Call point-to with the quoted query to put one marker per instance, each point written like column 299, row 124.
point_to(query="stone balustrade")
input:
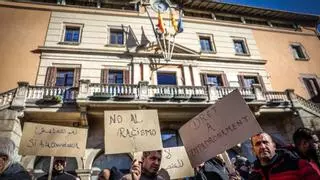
column 140, row 92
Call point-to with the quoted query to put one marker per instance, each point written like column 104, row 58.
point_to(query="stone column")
column 143, row 90
column 212, row 92
column 84, row 89
column 84, row 174
column 18, row 102
column 187, row 75
column 257, row 89
column 83, row 116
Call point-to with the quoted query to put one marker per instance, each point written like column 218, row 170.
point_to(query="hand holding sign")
column 218, row 128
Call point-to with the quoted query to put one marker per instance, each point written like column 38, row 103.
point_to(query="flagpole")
column 174, row 39
column 154, row 31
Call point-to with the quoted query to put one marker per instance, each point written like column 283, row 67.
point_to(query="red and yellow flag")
column 160, row 23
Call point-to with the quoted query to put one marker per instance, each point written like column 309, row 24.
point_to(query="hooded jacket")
column 284, row 166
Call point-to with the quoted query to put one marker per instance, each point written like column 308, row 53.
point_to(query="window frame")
column 123, row 29
column 310, row 76
column 241, row 80
column 65, row 79
column 116, row 71
column 211, row 41
column 223, row 77
column 244, row 45
column 302, row 50
column 71, row 25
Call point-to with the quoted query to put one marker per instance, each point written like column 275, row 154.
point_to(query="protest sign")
column 131, row 131
column 175, row 161
column 52, row 140
column 221, row 126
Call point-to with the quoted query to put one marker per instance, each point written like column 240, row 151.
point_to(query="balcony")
column 141, row 93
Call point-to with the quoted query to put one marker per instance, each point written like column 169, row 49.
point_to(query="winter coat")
column 15, row 172
column 284, row 166
column 59, row 176
column 212, row 170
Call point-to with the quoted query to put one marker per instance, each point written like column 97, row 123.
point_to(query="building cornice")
column 184, row 56
column 72, row 9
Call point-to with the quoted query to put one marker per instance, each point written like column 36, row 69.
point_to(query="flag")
column 160, row 23
column 173, row 21
column 180, row 23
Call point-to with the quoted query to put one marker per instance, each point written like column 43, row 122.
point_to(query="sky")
column 300, row 6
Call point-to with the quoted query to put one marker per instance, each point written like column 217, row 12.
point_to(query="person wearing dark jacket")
column 58, row 172
column 147, row 168
column 110, row 174
column 281, row 164
column 212, row 169
column 306, row 145
column 10, row 170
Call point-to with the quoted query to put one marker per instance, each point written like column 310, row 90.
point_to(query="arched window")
column 121, row 161
column 171, row 138
column 42, row 164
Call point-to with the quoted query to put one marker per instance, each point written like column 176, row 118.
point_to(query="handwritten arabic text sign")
column 131, row 131
column 175, row 160
column 218, row 128
column 51, row 140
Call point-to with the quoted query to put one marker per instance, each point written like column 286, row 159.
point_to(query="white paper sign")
column 218, row 128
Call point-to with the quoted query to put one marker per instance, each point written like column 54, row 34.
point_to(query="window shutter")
column 203, row 78
column 76, row 77
column 126, row 77
column 104, row 76
column 224, row 80
column 51, row 76
column 241, row 81
column 260, row 79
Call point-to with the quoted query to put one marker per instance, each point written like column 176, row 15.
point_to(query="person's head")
column 151, row 161
column 305, row 141
column 7, row 147
column 59, row 164
column 241, row 163
column 263, row 147
column 104, row 174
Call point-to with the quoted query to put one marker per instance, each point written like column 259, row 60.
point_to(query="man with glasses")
column 58, row 172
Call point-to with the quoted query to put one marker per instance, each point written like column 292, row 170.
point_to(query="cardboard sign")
column 174, row 160
column 51, row 140
column 218, row 128
column 131, row 131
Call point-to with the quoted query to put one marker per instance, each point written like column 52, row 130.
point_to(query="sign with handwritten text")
column 175, row 161
column 221, row 126
column 51, row 140
column 131, row 131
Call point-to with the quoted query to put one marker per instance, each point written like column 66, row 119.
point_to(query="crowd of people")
column 293, row 162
